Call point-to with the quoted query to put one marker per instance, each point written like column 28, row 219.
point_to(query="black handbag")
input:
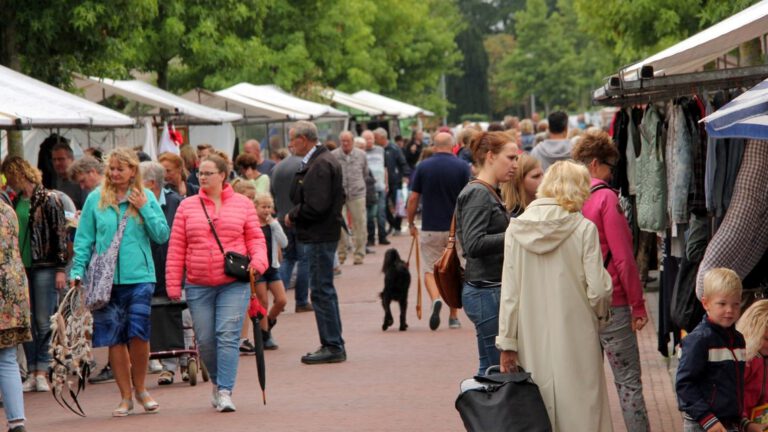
column 502, row 402
column 235, row 264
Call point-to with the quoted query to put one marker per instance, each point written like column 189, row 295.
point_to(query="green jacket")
column 98, row 226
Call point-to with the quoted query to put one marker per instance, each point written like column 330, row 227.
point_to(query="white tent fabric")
column 276, row 97
column 250, row 109
column 97, row 89
column 392, row 106
column 744, row 117
column 350, row 101
column 707, row 45
column 33, row 103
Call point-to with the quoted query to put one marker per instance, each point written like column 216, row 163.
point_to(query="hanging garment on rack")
column 668, row 274
column 685, row 309
column 744, row 224
column 696, row 198
column 620, row 136
column 633, row 148
column 711, row 167
column 735, row 155
column 651, row 175
column 679, row 164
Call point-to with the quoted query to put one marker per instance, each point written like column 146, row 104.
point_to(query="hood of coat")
column 543, row 226
column 555, row 149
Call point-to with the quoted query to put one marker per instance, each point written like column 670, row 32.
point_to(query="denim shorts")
column 126, row 316
column 271, row 275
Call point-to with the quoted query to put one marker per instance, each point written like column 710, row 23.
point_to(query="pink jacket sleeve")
column 177, row 249
column 255, row 242
column 619, row 240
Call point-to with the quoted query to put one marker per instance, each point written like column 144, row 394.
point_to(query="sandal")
column 150, row 405
column 124, row 409
column 165, row 378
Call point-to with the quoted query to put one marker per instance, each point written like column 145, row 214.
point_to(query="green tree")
column 498, row 46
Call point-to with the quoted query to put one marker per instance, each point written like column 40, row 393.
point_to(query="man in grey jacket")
column 557, row 146
column 354, row 167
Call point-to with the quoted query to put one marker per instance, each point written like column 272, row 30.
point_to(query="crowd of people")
column 550, row 284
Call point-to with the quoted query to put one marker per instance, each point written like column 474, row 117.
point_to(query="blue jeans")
column 10, row 385
column 324, row 298
column 294, row 256
column 42, row 304
column 482, row 307
column 217, row 315
column 377, row 215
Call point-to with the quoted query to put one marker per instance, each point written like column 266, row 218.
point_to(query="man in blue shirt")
column 437, row 181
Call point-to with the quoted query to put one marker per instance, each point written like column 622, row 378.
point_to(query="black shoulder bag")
column 235, row 264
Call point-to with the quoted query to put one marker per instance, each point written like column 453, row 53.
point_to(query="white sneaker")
column 42, row 384
column 155, row 367
column 30, row 384
column 225, row 401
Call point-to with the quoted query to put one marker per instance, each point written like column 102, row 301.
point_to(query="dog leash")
column 415, row 244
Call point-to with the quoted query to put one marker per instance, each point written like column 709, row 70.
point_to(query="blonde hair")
column 243, row 186
column 263, row 197
column 753, row 324
column 513, row 192
column 15, row 168
column 721, row 281
column 123, row 156
column 568, row 183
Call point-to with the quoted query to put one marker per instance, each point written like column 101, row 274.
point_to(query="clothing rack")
column 617, row 92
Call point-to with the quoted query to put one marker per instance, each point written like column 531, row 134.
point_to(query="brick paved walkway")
column 393, row 381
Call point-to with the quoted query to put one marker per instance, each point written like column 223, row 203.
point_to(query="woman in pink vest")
column 599, row 154
column 216, row 301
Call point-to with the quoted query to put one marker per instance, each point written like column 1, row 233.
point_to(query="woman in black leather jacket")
column 481, row 221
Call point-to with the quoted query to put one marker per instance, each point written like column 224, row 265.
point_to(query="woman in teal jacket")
column 123, row 324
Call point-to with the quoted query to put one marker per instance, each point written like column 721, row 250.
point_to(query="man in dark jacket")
column 397, row 168
column 317, row 193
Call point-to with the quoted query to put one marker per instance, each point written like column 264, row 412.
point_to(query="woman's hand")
column 638, row 323
column 508, row 361
column 137, row 198
column 61, row 280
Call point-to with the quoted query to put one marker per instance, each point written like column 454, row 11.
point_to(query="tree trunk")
column 750, row 53
column 9, row 53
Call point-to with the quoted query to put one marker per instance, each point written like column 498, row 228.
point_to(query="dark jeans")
column 377, row 217
column 294, row 255
column 394, row 221
column 324, row 298
column 482, row 307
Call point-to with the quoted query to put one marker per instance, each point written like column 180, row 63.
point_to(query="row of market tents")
column 211, row 117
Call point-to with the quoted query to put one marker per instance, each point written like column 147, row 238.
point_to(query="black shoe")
column 370, row 243
column 104, row 376
column 268, row 342
column 246, row 347
column 384, row 242
column 325, row 355
column 19, row 428
column 304, row 308
column 434, row 319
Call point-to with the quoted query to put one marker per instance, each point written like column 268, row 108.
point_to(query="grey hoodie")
column 550, row 151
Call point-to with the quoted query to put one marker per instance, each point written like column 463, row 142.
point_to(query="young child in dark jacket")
column 710, row 376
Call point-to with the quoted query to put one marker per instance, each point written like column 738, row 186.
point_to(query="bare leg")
column 121, row 368
column 139, row 354
column 429, row 282
column 279, row 299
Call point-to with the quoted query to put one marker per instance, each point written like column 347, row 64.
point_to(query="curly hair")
column 594, row 145
column 16, row 168
column 753, row 325
column 568, row 183
column 128, row 158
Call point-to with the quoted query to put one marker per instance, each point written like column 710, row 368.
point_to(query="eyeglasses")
column 206, row 173
column 610, row 165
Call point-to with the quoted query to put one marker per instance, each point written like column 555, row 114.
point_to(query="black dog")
column 397, row 279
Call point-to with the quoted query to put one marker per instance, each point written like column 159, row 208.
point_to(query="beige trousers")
column 354, row 213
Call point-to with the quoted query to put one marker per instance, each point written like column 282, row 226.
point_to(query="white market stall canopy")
column 744, row 117
column 392, row 106
column 691, row 54
column 26, row 102
column 97, row 89
column 352, row 102
column 250, row 109
column 274, row 96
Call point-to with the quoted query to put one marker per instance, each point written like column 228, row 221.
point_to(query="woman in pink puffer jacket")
column 216, row 301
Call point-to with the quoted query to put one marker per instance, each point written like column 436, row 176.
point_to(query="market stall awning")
column 691, row 54
column 251, row 110
column 97, row 89
column 352, row 102
column 26, row 102
column 744, row 117
column 392, row 106
column 274, row 96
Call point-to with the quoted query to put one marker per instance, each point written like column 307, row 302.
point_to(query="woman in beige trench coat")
column 555, row 294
